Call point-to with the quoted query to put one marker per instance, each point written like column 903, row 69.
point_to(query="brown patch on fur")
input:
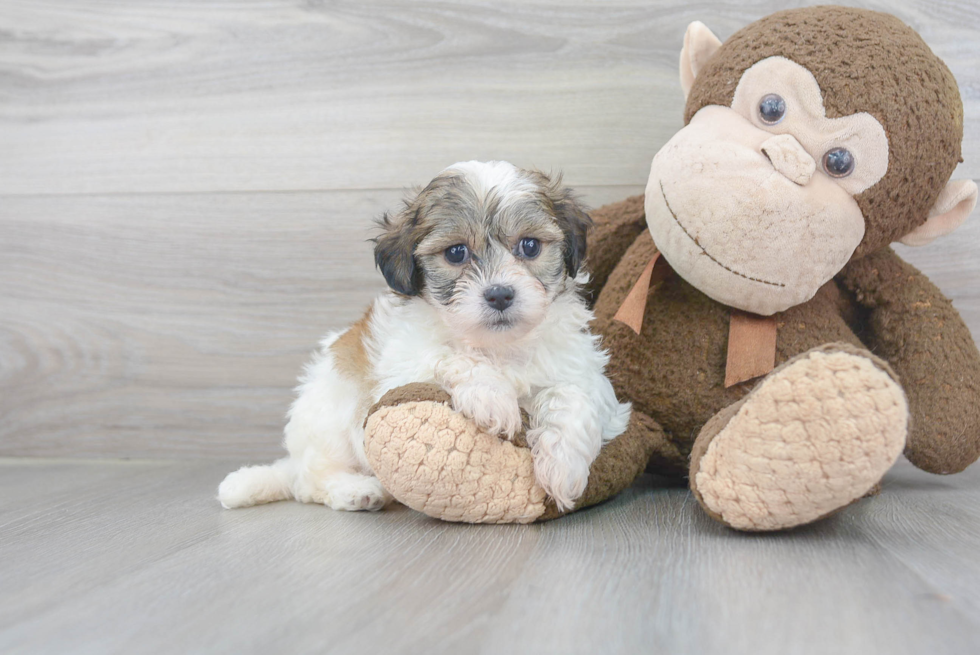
column 889, row 72
column 350, row 357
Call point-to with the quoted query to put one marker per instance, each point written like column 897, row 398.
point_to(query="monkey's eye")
column 529, row 248
column 838, row 162
column 457, row 254
column 772, row 108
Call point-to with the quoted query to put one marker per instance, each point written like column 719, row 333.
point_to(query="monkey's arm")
column 616, row 228
column 913, row 326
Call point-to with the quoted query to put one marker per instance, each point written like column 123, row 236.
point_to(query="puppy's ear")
column 394, row 252
column 574, row 222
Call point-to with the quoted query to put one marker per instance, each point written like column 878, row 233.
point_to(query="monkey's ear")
column 954, row 204
column 394, row 254
column 699, row 44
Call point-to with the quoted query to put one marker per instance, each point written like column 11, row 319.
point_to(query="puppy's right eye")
column 529, row 248
column 457, row 254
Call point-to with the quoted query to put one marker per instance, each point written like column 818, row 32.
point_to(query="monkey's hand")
column 915, row 328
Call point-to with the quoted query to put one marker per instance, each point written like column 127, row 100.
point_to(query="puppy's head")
column 488, row 245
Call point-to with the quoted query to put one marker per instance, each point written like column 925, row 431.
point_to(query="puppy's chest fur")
column 399, row 341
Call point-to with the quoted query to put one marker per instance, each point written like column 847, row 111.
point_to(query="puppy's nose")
column 498, row 297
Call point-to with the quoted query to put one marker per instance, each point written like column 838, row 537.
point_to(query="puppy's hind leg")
column 325, row 439
column 330, row 479
column 355, row 491
column 254, row 485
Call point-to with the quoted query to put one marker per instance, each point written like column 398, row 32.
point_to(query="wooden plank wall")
column 186, row 187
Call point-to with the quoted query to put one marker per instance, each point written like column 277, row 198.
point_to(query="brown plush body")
column 674, row 370
column 814, row 138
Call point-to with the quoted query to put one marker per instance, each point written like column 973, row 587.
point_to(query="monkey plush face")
column 776, row 217
column 794, row 160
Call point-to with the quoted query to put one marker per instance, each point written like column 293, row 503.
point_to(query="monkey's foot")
column 815, row 435
column 437, row 461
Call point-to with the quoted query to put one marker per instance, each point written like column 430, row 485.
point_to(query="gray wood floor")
column 137, row 557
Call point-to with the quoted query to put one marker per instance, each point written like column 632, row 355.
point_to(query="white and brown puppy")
column 482, row 265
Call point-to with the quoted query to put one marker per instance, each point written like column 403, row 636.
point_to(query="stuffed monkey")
column 775, row 349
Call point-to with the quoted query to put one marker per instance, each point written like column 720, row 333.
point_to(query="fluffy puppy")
column 482, row 266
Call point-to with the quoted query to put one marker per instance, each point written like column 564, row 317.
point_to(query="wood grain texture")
column 176, row 325
column 138, row 557
column 154, row 325
column 186, row 187
column 138, row 325
column 163, row 96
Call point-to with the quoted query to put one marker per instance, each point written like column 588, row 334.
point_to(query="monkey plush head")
column 813, row 136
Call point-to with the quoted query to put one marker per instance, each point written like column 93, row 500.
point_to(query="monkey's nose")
column 789, row 158
column 499, row 297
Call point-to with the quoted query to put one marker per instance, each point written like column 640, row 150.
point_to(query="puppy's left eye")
column 457, row 254
column 529, row 248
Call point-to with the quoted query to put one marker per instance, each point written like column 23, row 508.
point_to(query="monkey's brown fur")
column 878, row 308
column 901, row 83
column 674, row 370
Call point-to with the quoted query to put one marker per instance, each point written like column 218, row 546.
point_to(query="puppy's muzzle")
column 499, row 297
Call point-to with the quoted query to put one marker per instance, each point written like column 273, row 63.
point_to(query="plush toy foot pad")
column 815, row 435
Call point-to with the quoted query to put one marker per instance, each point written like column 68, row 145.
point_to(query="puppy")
column 483, row 269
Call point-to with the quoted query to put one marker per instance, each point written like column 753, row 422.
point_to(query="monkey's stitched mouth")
column 708, row 254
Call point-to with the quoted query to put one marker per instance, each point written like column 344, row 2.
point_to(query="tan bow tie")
column 751, row 338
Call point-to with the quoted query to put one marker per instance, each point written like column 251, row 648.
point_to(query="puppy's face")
column 489, row 245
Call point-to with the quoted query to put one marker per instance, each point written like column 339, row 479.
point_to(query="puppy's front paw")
column 561, row 472
column 493, row 407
